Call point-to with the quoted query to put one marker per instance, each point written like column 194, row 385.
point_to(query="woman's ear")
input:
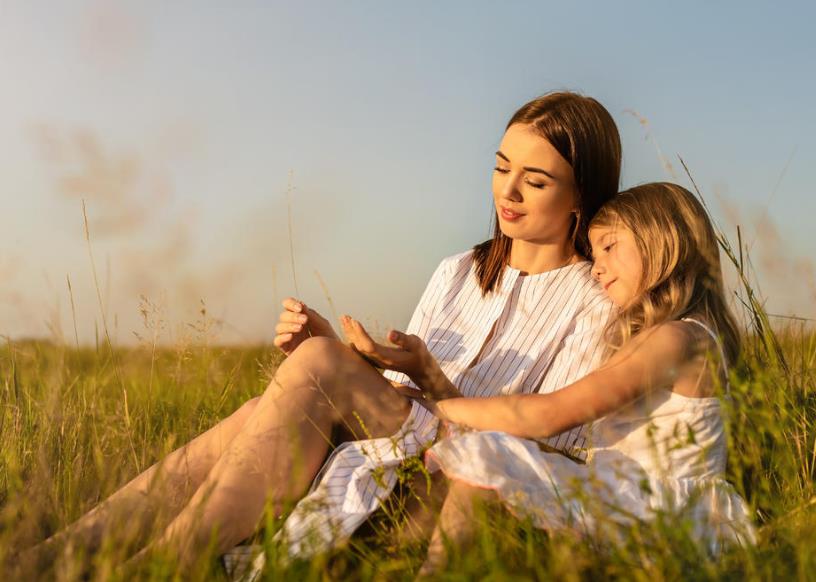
column 576, row 226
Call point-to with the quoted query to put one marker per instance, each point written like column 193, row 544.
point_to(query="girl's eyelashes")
column 501, row 170
column 604, row 248
column 538, row 185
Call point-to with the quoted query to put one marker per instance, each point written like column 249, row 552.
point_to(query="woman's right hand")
column 298, row 322
column 409, row 356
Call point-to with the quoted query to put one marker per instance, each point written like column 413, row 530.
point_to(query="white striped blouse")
column 548, row 333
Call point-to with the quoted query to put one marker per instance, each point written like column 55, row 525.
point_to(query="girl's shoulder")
column 707, row 367
column 688, row 346
column 687, row 337
column 701, row 336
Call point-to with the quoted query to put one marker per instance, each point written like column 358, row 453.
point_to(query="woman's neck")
column 531, row 258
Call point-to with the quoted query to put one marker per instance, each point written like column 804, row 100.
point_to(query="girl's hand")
column 298, row 322
column 410, row 356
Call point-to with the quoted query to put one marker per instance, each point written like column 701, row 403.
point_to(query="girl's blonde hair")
column 682, row 276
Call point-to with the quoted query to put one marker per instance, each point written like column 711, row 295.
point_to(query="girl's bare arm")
column 651, row 360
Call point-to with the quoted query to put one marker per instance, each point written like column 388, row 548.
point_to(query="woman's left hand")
column 409, row 356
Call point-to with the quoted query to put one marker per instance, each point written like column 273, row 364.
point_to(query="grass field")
column 78, row 422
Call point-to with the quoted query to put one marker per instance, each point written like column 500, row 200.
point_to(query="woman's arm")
column 650, row 360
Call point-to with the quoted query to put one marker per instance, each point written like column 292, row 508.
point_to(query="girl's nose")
column 597, row 269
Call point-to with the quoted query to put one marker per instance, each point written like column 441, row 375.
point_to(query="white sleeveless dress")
column 663, row 454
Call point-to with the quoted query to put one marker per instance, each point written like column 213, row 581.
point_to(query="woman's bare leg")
column 284, row 442
column 455, row 526
column 158, row 492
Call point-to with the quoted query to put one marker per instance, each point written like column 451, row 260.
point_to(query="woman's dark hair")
column 585, row 135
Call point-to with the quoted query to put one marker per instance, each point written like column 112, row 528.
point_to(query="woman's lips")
column 608, row 285
column 509, row 214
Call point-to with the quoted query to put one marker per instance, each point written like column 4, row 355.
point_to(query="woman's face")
column 533, row 188
column 617, row 263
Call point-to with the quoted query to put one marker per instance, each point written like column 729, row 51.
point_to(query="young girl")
column 659, row 442
column 518, row 312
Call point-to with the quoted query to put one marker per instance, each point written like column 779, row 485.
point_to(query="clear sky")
column 179, row 123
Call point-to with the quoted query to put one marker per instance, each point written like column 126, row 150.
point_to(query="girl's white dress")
column 662, row 454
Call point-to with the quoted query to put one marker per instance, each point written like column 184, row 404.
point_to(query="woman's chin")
column 516, row 233
column 507, row 229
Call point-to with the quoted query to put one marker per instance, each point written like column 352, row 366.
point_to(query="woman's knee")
column 317, row 358
column 319, row 348
column 246, row 409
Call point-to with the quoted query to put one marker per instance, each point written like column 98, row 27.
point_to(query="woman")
column 558, row 162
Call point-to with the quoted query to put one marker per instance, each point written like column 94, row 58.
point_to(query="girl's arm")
column 648, row 361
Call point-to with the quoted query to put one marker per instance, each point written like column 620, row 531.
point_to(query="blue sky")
column 179, row 124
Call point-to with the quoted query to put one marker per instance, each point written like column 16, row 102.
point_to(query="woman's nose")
column 509, row 189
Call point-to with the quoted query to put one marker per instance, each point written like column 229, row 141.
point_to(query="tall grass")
column 65, row 444
column 76, row 423
column 67, row 440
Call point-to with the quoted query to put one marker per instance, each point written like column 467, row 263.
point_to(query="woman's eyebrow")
column 528, row 168
column 538, row 171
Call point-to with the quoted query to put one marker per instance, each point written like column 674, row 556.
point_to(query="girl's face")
column 533, row 188
column 617, row 265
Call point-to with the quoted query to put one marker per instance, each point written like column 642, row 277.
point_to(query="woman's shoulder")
column 453, row 264
column 588, row 291
column 450, row 268
column 459, row 258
